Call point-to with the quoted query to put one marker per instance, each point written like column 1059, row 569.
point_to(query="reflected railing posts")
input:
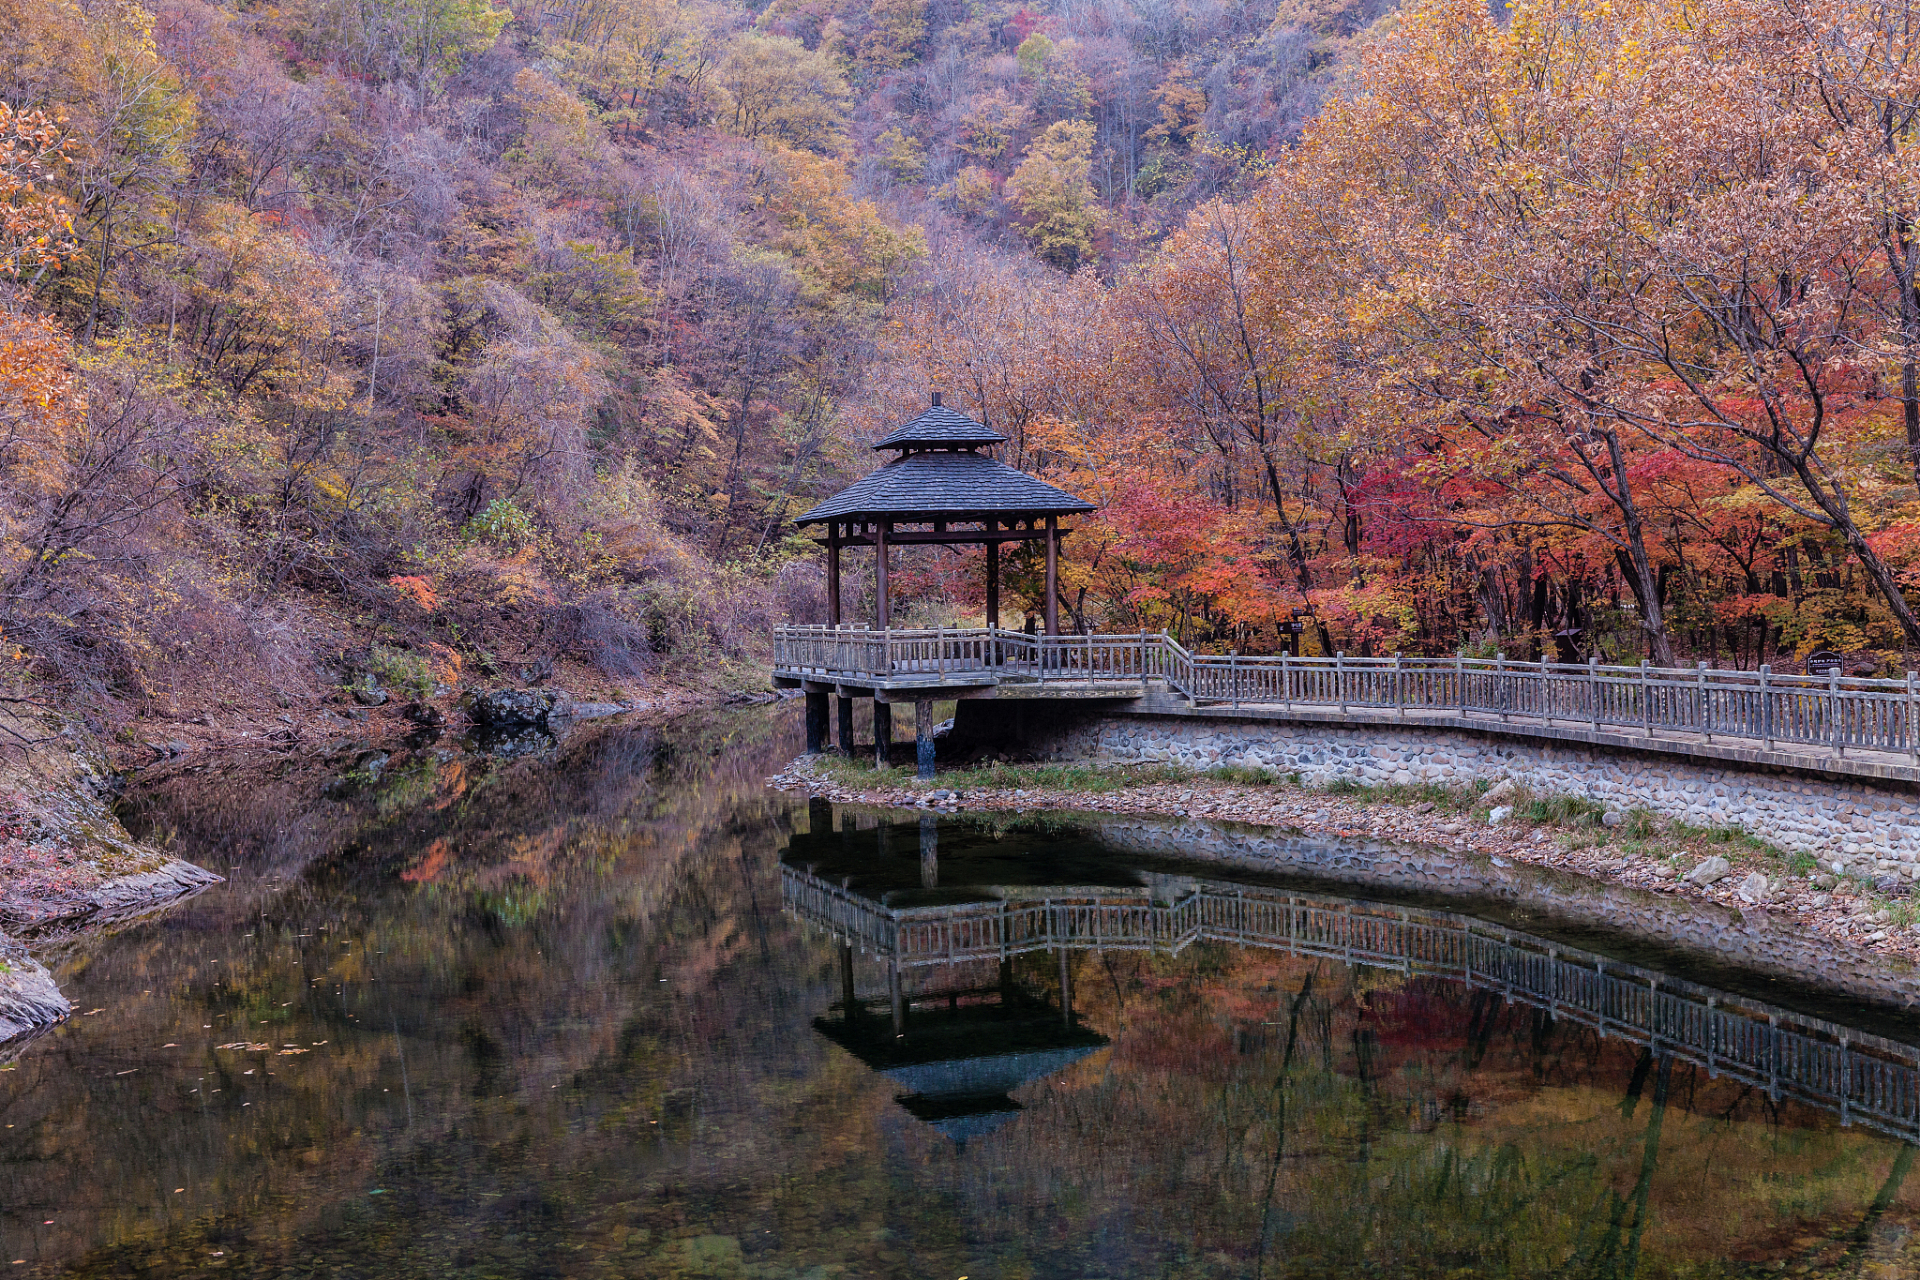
column 1861, row 1077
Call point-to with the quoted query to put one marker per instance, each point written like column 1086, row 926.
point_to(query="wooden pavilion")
column 941, row 489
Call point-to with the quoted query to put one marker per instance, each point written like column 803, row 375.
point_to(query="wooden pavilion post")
column 993, row 578
column 1053, row 575
column 880, row 530
column 833, row 573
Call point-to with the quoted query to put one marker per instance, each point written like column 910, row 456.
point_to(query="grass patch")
column 1001, row 776
column 399, row 669
column 1559, row 811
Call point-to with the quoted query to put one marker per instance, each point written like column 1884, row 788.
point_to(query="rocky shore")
column 66, row 863
column 1503, row 828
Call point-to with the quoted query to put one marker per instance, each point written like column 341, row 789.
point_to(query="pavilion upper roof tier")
column 945, row 486
column 940, row 428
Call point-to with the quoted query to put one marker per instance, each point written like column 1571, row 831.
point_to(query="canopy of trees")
column 503, row 335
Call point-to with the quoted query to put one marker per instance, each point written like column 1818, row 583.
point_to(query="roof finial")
column 936, row 399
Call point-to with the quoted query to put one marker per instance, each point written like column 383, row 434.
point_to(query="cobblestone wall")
column 1871, row 829
column 1756, row 940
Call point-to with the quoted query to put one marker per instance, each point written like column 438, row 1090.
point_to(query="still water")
column 623, row 1012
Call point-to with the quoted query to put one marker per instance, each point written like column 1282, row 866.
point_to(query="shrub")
column 503, row 525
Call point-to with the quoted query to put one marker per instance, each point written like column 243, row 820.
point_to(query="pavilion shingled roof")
column 945, row 485
column 939, row 426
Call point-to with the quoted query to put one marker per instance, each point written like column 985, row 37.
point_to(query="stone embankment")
column 1735, row 903
column 66, row 864
column 1868, row 829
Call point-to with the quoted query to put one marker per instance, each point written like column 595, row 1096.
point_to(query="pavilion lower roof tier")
column 945, row 485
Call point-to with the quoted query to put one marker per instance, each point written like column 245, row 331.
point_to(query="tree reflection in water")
column 556, row 1022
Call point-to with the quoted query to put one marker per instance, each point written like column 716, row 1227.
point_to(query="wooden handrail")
column 1832, row 713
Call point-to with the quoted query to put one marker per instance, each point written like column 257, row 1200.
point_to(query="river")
column 585, row 1015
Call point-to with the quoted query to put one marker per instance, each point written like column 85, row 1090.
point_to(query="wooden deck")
column 1851, row 725
column 1861, row 1078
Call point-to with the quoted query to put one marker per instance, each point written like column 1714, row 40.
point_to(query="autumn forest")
column 453, row 338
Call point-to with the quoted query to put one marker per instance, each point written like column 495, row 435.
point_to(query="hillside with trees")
column 444, row 339
column 449, row 340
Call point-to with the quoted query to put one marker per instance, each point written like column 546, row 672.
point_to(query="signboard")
column 1824, row 662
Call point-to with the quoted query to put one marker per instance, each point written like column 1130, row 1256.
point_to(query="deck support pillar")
column 846, row 981
column 923, row 737
column 819, row 814
column 882, row 734
column 844, row 705
column 899, row 1000
column 1066, row 988
column 816, row 723
column 929, row 851
column 1053, row 575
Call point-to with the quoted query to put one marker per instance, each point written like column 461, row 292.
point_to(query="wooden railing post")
column 1913, row 742
column 1766, row 705
column 1340, row 679
column 1700, row 700
column 1460, row 679
column 1399, row 688
column 1143, row 662
column 1500, row 697
column 1233, row 676
column 1646, row 699
column 1593, row 691
column 940, row 652
column 1833, row 711
column 1286, row 679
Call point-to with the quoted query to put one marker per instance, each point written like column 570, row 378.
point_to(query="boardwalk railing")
column 1833, row 712
column 1861, row 1077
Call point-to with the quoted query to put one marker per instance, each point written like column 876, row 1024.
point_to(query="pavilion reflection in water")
column 961, row 1051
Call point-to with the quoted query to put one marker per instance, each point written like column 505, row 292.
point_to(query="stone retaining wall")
column 1871, row 829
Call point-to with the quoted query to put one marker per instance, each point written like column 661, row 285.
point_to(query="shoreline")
column 1637, row 853
column 69, row 869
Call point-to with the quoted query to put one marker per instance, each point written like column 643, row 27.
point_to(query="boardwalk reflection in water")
column 1860, row 1077
column 957, row 978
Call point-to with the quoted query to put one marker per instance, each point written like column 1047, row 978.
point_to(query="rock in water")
column 513, row 709
column 28, row 998
column 1754, row 887
column 1714, row 869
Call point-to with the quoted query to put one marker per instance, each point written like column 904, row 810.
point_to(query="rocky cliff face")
column 66, row 863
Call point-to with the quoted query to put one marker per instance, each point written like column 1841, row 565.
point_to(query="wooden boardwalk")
column 1759, row 716
column 1862, row 1078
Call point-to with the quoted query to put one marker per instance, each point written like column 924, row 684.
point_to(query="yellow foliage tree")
column 1051, row 188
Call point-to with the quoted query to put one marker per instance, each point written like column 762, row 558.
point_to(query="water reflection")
column 1859, row 1077
column 570, row 1017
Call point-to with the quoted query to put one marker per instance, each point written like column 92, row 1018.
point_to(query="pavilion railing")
column 1833, row 712
column 1862, row 1077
